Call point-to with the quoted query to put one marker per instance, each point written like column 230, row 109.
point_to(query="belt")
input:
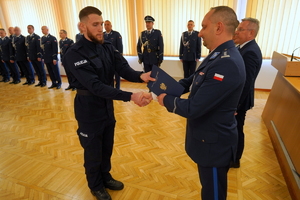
column 149, row 50
column 84, row 92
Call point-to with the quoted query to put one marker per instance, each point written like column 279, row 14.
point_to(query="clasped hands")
column 141, row 98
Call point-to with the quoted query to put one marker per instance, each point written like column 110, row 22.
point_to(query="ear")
column 219, row 28
column 82, row 26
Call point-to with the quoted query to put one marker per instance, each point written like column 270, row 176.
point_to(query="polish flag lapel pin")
column 218, row 77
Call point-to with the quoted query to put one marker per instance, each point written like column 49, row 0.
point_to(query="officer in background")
column 115, row 38
column 12, row 52
column 3, row 68
column 190, row 49
column 6, row 46
column 50, row 50
column 20, row 57
column 79, row 35
column 150, row 46
column 64, row 44
column 35, row 54
column 215, row 90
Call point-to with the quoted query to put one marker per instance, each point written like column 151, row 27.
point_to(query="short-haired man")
column 190, row 49
column 11, row 31
column 7, row 49
column 150, row 46
column 245, row 37
column 35, row 54
column 79, row 35
column 215, row 90
column 20, row 56
column 50, row 50
column 116, row 40
column 64, row 44
column 92, row 63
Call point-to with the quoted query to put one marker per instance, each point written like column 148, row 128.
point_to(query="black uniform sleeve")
column 139, row 48
column 119, row 43
column 198, row 48
column 11, row 51
column 181, row 48
column 86, row 75
column 54, row 48
column 160, row 48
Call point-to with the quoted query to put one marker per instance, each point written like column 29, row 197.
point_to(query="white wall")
column 173, row 66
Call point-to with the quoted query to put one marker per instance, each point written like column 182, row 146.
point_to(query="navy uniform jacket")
column 78, row 37
column 92, row 67
column 211, row 135
column 253, row 59
column 6, row 47
column 150, row 47
column 20, row 48
column 190, row 46
column 64, row 45
column 115, row 38
column 0, row 49
column 50, row 48
column 34, row 50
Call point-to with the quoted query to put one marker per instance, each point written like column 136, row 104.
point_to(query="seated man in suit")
column 250, row 51
column 215, row 90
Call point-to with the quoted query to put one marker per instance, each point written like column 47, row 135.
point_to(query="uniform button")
column 203, row 140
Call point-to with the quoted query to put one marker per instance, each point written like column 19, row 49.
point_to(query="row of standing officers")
column 20, row 54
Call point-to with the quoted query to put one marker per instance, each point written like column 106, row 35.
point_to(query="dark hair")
column 191, row 21
column 227, row 16
column 2, row 29
column 31, row 26
column 64, row 31
column 85, row 12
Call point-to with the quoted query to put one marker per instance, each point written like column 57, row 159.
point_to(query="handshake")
column 141, row 98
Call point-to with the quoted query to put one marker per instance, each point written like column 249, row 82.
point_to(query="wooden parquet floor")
column 41, row 158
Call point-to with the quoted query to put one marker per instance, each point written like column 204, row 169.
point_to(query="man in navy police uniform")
column 115, row 38
column 35, row 54
column 79, row 35
column 50, row 50
column 215, row 89
column 7, row 49
column 150, row 46
column 64, row 45
column 20, row 56
column 190, row 49
column 92, row 63
column 250, row 51
column 3, row 68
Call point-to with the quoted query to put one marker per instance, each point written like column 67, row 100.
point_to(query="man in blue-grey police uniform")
column 35, row 54
column 150, row 46
column 7, row 49
column 79, row 35
column 20, row 56
column 245, row 37
column 3, row 68
column 115, row 38
column 92, row 63
column 190, row 49
column 64, row 45
column 50, row 50
column 215, row 90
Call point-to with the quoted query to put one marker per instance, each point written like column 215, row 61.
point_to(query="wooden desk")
column 282, row 118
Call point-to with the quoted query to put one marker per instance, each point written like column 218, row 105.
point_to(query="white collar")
column 242, row 45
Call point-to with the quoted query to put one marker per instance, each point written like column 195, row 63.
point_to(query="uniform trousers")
column 26, row 67
column 4, row 71
column 214, row 182
column 39, row 70
column 189, row 68
column 147, row 67
column 13, row 68
column 240, row 118
column 97, row 140
column 54, row 73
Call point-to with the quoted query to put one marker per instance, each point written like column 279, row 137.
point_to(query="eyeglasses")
column 241, row 29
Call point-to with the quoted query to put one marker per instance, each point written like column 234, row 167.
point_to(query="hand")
column 54, row 62
column 3, row 61
column 235, row 113
column 141, row 99
column 39, row 59
column 28, row 60
column 159, row 63
column 181, row 60
column 11, row 61
column 146, row 77
column 140, row 62
column 197, row 60
column 161, row 99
